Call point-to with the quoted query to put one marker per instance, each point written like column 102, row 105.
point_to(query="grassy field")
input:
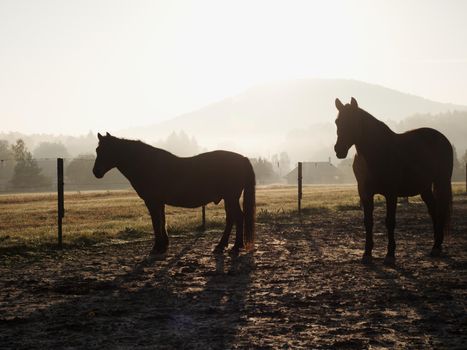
column 29, row 221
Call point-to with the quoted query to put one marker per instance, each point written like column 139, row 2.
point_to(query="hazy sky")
column 74, row 66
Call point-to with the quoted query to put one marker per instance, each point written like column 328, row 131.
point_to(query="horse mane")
column 125, row 145
column 369, row 119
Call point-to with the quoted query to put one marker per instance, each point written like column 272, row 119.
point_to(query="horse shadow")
column 142, row 310
column 433, row 303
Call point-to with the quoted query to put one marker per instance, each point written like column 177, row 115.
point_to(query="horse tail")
column 249, row 206
column 443, row 194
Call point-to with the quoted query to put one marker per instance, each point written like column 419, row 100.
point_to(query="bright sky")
column 73, row 66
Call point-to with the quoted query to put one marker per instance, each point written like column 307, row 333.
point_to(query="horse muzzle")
column 341, row 153
column 97, row 173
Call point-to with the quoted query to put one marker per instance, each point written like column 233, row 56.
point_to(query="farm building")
column 315, row 173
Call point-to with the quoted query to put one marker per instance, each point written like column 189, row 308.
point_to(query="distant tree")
column 46, row 154
column 79, row 175
column 27, row 174
column 463, row 166
column 79, row 171
column 464, row 158
column 7, row 163
column 5, row 151
column 50, row 150
column 179, row 144
column 457, row 168
column 264, row 171
column 281, row 163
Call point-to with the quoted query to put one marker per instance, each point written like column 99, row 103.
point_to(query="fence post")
column 203, row 217
column 300, row 193
column 465, row 177
column 60, row 199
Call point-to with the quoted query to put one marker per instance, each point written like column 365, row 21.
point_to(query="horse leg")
column 368, row 206
column 161, row 239
column 443, row 198
column 163, row 225
column 391, row 205
column 429, row 199
column 430, row 202
column 238, row 228
column 228, row 228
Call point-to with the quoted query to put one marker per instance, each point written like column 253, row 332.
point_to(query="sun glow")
column 74, row 66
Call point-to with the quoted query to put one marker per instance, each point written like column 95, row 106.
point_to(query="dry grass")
column 28, row 221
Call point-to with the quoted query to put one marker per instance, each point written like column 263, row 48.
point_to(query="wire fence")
column 58, row 175
column 40, row 175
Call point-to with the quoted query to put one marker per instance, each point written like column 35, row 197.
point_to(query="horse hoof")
column 389, row 261
column 367, row 260
column 218, row 250
column 435, row 252
column 234, row 251
column 158, row 255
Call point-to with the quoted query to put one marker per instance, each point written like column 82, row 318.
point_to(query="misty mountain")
column 293, row 116
column 268, row 116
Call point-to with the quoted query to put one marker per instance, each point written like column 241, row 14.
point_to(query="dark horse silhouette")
column 161, row 178
column 415, row 162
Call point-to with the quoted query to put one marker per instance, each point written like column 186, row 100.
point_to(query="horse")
column 160, row 178
column 416, row 162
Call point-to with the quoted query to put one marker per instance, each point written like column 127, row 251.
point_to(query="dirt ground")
column 303, row 287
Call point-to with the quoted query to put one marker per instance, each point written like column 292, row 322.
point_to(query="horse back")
column 426, row 149
column 204, row 178
column 408, row 165
column 424, row 160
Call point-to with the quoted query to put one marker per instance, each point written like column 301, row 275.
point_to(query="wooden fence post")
column 465, row 177
column 60, row 199
column 300, row 193
column 203, row 217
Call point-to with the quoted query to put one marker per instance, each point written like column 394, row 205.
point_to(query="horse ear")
column 339, row 104
column 99, row 136
column 353, row 103
column 108, row 135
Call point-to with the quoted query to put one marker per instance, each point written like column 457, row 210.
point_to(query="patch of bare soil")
column 303, row 287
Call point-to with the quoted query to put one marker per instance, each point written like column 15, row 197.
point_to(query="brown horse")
column 161, row 178
column 415, row 162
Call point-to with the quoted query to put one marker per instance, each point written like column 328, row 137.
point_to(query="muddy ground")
column 303, row 287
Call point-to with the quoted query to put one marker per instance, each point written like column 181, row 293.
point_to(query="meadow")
column 29, row 221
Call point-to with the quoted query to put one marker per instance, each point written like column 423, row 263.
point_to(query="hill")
column 293, row 116
column 265, row 118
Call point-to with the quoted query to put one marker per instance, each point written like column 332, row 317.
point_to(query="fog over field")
column 294, row 116
column 297, row 117
column 255, row 77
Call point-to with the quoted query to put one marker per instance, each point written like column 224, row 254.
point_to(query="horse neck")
column 375, row 140
column 134, row 157
column 130, row 158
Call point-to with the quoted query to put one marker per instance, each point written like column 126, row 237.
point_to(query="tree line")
column 23, row 171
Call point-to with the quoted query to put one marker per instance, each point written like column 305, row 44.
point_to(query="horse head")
column 106, row 155
column 348, row 127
